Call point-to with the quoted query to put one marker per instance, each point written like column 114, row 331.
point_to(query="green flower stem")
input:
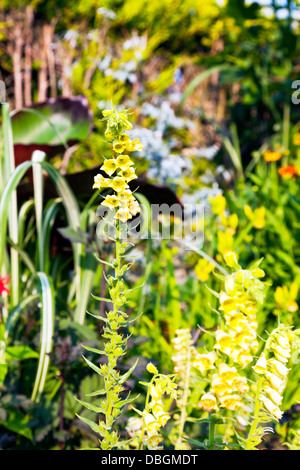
column 146, row 406
column 242, row 235
column 114, row 322
column 184, row 400
column 255, row 421
column 211, row 432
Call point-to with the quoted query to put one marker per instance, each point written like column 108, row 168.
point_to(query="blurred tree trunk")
column 47, row 37
column 29, row 17
column 15, row 50
column 51, row 63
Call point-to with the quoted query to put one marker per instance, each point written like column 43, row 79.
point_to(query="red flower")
column 288, row 171
column 3, row 282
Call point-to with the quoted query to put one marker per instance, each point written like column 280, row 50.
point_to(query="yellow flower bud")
column 151, row 368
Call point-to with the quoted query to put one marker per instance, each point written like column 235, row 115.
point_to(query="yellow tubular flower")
column 162, row 417
column 109, row 166
column 124, row 138
column 241, row 385
column 109, row 135
column 128, row 174
column 123, row 215
column 271, row 407
column 118, row 184
column 227, row 373
column 134, row 207
column 208, row 402
column 153, row 441
column 261, row 365
column 126, row 197
column 118, row 146
column 273, row 395
column 224, row 342
column 111, row 202
column 151, row 424
column 204, row 362
column 276, row 367
column 230, row 402
column 275, row 381
column 134, row 145
column 124, row 162
column 219, row 386
column 101, row 182
column 231, row 260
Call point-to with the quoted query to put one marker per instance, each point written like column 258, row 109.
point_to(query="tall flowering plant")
column 236, row 338
column 120, row 171
column 272, row 371
column 226, row 369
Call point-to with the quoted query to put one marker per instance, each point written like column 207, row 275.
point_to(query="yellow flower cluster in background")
column 286, row 297
column 154, row 416
column 186, row 353
column 119, row 168
column 203, row 269
column 272, row 367
column 257, row 217
column 236, row 341
column 227, row 223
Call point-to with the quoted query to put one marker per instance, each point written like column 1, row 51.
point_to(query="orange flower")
column 288, row 171
column 271, row 156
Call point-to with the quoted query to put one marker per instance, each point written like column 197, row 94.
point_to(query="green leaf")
column 92, row 366
column 122, row 403
column 89, row 406
column 54, row 122
column 90, row 423
column 199, row 79
column 96, row 393
column 20, row 353
column 96, row 351
column 124, row 377
column 193, row 441
column 3, row 372
column 17, row 422
column 47, row 328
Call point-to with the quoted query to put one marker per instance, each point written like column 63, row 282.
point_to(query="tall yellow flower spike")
column 120, row 168
column 236, row 341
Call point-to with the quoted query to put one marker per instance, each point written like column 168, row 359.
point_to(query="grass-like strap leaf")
column 47, row 328
column 9, row 166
